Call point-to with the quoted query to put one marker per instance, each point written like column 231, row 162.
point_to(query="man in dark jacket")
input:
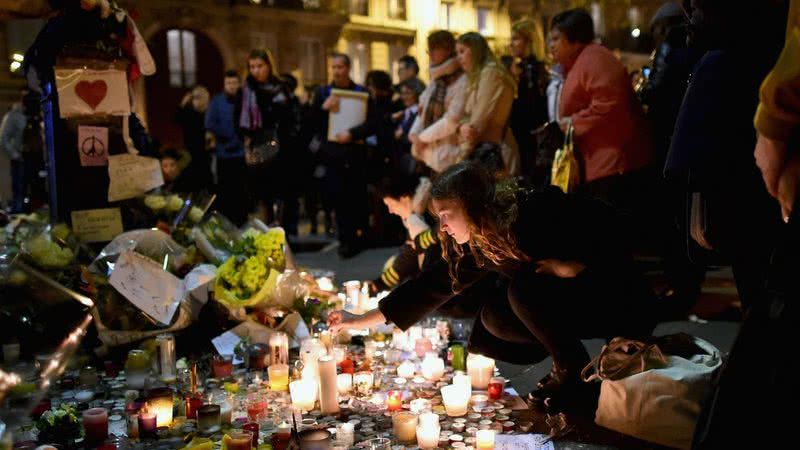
column 345, row 175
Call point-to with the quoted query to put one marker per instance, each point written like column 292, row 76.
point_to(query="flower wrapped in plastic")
column 250, row 275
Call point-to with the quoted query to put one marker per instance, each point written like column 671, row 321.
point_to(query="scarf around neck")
column 442, row 75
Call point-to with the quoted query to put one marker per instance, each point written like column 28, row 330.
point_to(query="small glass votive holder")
column 208, row 419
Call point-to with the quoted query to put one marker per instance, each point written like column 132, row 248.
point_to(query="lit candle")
column 422, row 346
column 485, row 439
column 399, row 339
column 370, row 347
column 278, row 377
column 147, row 423
column 239, row 440
column 166, row 357
column 404, row 425
column 325, row 284
column 432, row 368
column 432, row 334
column 327, row 340
column 394, row 400
column 95, row 423
column 480, row 370
column 225, row 412
column 304, row 394
column 428, row 435
column 363, row 382
column 429, row 418
column 462, row 379
column 344, row 383
column 278, row 348
column 328, row 402
column 208, row 418
column 406, row 369
column 420, row 405
column 160, row 401
column 496, row 385
column 345, row 433
column 456, row 399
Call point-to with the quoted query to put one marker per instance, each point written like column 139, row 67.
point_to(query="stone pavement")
column 719, row 293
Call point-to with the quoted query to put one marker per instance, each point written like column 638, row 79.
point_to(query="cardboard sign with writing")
column 97, row 225
column 93, row 145
column 352, row 111
column 132, row 175
column 86, row 92
column 145, row 284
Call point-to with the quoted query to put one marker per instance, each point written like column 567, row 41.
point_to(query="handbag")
column 265, row 151
column 566, row 170
column 654, row 390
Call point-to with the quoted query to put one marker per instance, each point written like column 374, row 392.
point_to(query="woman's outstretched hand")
column 560, row 269
column 342, row 320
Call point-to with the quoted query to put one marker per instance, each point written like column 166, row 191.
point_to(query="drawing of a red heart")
column 91, row 92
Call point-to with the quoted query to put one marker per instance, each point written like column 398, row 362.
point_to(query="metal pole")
column 50, row 116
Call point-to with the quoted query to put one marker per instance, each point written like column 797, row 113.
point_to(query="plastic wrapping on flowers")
column 250, row 275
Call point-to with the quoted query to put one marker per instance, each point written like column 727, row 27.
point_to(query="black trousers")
column 537, row 316
column 346, row 184
column 233, row 201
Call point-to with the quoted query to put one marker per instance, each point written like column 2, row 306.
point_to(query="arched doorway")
column 184, row 58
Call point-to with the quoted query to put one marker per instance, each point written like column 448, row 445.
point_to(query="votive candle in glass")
column 279, row 348
column 363, row 382
column 256, row 406
column 345, row 433
column 147, row 423
column 253, row 428
column 432, row 368
column 485, row 439
column 222, row 366
column 406, row 369
column 394, row 400
column 239, row 440
column 420, row 405
column 208, row 418
column 95, row 424
column 303, row 393
column 480, row 370
column 496, row 386
column 428, row 435
column 344, row 383
column 455, row 399
column 278, row 377
column 166, row 357
column 160, row 401
column 422, row 346
column 462, row 379
column 404, row 425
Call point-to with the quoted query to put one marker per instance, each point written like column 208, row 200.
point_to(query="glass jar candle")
column 239, row 440
column 279, row 348
column 137, row 366
column 278, row 377
column 208, row 418
column 222, row 366
column 160, row 402
column 404, row 426
column 95, row 425
column 166, row 356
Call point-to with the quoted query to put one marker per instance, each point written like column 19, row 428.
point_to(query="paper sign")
column 352, row 111
column 93, row 145
column 145, row 284
column 226, row 343
column 97, row 225
column 84, row 92
column 522, row 442
column 132, row 175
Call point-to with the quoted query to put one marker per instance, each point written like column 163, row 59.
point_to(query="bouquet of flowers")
column 249, row 276
column 59, row 425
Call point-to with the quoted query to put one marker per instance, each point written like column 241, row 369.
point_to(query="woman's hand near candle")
column 560, row 269
column 343, row 320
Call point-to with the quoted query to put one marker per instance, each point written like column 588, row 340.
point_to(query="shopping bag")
column 654, row 390
column 566, row 170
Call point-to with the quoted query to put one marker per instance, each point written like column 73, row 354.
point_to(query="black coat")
column 577, row 229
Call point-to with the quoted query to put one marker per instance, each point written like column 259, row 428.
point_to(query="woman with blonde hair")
column 490, row 92
column 529, row 110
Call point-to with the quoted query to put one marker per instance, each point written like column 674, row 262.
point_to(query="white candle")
column 432, row 334
column 345, row 433
column 428, row 436
column 225, row 412
column 328, row 402
column 432, row 368
column 406, row 370
column 325, row 284
column 419, row 405
column 399, row 339
column 429, row 418
column 303, row 393
column 363, row 382
column 462, row 379
column 404, row 427
column 480, row 370
column 456, row 400
column 344, row 383
column 485, row 439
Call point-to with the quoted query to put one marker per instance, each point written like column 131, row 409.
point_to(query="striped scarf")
column 444, row 74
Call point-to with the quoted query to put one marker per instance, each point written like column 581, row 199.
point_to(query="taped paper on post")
column 85, row 92
column 132, row 175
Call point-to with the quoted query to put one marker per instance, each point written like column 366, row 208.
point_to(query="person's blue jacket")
column 220, row 122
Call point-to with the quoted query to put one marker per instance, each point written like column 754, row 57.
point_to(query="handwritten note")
column 93, row 145
column 522, row 442
column 226, row 343
column 145, row 284
column 132, row 175
column 97, row 225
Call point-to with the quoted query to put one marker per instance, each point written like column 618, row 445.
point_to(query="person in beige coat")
column 489, row 96
column 434, row 134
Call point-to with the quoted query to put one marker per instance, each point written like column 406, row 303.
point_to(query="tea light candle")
column 328, row 402
column 279, row 348
column 303, row 393
column 480, row 370
column 344, row 383
column 456, row 400
column 433, row 368
column 479, row 400
column 406, row 369
column 428, row 435
column 95, row 423
column 394, row 400
column 404, row 425
column 278, row 377
column 147, row 423
column 420, row 405
column 363, row 382
column 485, row 439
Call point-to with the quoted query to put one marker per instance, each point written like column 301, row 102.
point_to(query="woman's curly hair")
column 491, row 210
